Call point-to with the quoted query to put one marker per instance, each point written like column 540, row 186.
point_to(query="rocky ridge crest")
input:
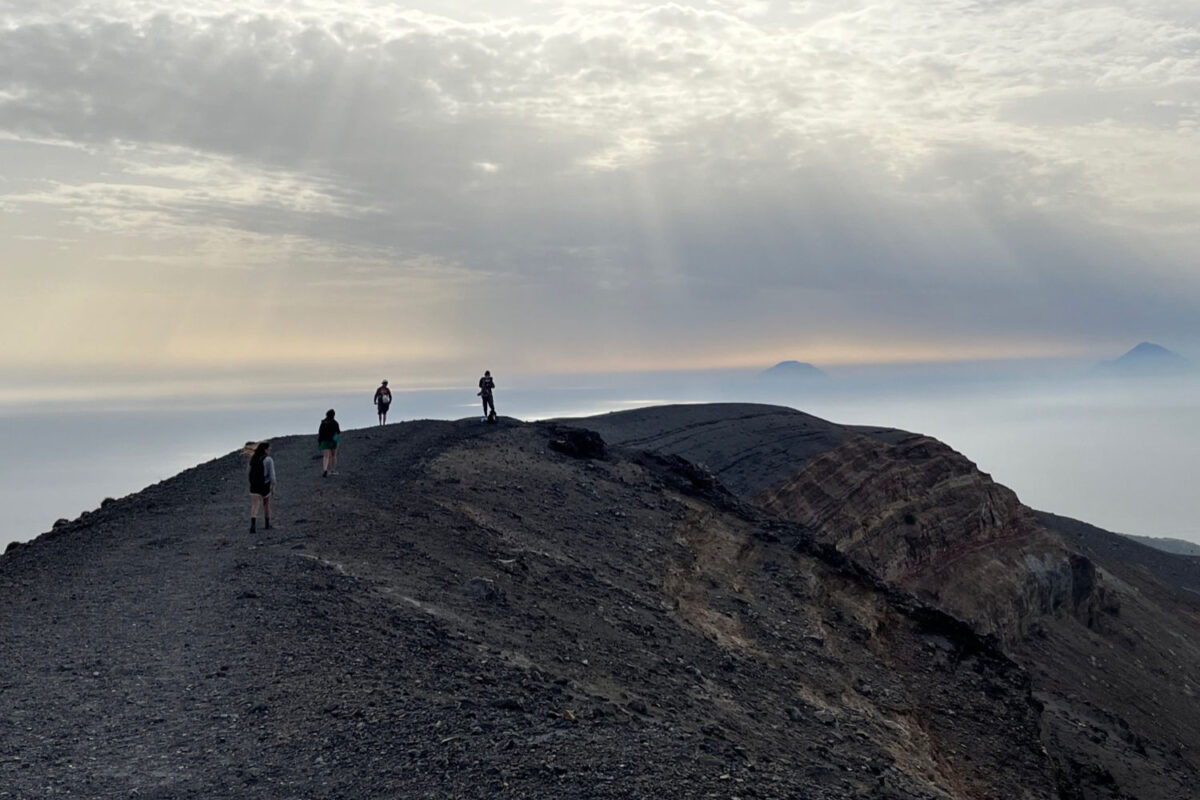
column 535, row 610
column 1109, row 631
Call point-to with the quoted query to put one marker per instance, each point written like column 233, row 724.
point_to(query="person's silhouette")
column 486, row 385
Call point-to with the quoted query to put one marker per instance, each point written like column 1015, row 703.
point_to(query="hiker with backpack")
column 262, row 484
column 486, row 385
column 383, row 399
column 327, row 443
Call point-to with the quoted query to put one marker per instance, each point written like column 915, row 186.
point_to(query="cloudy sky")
column 594, row 185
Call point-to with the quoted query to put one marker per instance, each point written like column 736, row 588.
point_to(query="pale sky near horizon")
column 595, row 185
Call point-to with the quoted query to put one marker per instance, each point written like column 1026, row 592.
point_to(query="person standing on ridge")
column 486, row 385
column 262, row 484
column 327, row 443
column 383, row 399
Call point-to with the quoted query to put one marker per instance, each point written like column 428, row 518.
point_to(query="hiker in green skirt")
column 327, row 443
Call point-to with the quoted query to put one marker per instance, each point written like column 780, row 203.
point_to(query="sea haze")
column 1117, row 453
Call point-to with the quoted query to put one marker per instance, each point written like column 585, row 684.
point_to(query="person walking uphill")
column 327, row 443
column 262, row 484
column 383, row 399
column 486, row 385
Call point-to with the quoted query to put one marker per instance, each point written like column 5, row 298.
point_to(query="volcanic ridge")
column 725, row 601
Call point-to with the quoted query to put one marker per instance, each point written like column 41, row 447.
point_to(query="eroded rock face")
column 1111, row 653
column 923, row 516
column 1110, row 637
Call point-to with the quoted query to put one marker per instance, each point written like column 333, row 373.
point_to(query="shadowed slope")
column 751, row 447
column 1114, row 651
column 1120, row 554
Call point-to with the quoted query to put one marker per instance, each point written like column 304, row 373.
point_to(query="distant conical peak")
column 1147, row 358
column 793, row 369
column 1151, row 350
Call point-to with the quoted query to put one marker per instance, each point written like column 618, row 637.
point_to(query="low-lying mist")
column 1118, row 453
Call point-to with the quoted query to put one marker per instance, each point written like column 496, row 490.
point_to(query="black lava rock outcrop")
column 577, row 442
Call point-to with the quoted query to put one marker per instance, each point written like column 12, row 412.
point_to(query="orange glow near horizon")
column 187, row 359
column 832, row 355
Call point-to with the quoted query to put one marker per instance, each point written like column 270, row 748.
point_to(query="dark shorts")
column 262, row 490
column 383, row 407
column 327, row 445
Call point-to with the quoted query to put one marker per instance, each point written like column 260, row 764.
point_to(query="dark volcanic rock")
column 1117, row 552
column 485, row 590
column 1107, row 629
column 577, row 443
column 651, row 642
column 750, row 447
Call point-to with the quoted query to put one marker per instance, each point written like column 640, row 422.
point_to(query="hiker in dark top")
column 486, row 385
column 383, row 399
column 262, row 484
column 327, row 443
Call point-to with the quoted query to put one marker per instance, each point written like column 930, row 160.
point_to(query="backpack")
column 258, row 472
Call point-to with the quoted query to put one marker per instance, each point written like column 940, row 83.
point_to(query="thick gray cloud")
column 713, row 177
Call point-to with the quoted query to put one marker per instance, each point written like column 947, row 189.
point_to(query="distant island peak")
column 793, row 370
column 1147, row 358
